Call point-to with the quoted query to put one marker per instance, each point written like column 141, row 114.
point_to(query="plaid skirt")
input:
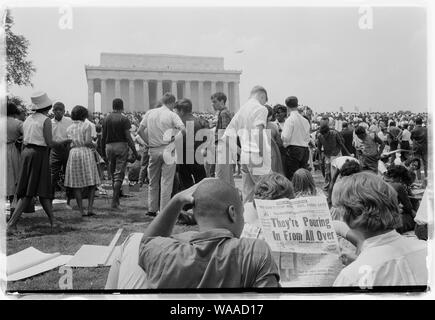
column 81, row 169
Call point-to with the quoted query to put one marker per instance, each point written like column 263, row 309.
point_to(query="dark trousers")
column 297, row 158
column 189, row 174
column 58, row 161
column 404, row 145
column 394, row 145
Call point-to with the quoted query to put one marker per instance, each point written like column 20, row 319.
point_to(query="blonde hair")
column 368, row 202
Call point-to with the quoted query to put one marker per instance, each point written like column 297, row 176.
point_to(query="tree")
column 19, row 69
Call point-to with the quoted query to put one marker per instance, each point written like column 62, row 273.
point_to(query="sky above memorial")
column 320, row 55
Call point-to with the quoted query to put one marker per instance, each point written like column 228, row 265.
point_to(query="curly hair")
column 368, row 202
column 273, row 186
column 184, row 105
column 79, row 113
column 270, row 112
column 219, row 96
column 279, row 108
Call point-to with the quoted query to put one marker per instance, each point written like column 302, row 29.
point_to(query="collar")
column 380, row 240
column 212, row 234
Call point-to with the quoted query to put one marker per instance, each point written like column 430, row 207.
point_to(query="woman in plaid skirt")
column 81, row 169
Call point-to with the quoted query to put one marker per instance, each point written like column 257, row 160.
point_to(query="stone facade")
column 141, row 79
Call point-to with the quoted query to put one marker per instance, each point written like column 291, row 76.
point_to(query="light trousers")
column 161, row 179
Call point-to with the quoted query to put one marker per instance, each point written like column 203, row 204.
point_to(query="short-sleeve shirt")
column 210, row 259
column 33, row 128
column 245, row 122
column 296, row 131
column 77, row 132
column 58, row 128
column 388, row 259
column 162, row 125
column 114, row 127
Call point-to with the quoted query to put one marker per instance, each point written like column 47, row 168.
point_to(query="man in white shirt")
column 162, row 125
column 405, row 141
column 59, row 153
column 370, row 209
column 295, row 137
column 248, row 123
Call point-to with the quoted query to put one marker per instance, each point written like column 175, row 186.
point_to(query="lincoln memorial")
column 141, row 79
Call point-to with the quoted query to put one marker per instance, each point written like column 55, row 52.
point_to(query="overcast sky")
column 319, row 55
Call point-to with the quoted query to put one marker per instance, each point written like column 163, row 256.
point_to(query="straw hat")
column 40, row 100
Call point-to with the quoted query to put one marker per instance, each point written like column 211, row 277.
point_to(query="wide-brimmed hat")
column 40, row 100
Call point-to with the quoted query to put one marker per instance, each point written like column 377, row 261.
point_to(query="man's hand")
column 187, row 196
column 347, row 258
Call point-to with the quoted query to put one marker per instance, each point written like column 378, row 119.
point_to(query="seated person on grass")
column 371, row 210
column 214, row 257
column 275, row 186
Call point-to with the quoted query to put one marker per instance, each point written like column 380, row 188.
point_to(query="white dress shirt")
column 162, row 125
column 58, row 128
column 389, row 259
column 406, row 135
column 296, row 131
column 245, row 124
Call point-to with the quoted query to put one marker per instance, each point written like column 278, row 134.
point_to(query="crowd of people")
column 370, row 163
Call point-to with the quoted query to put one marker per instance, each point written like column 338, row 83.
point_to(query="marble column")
column 146, row 96
column 213, row 87
column 131, row 104
column 104, row 106
column 174, row 89
column 187, row 92
column 236, row 97
column 91, row 103
column 226, row 91
column 200, row 107
column 159, row 91
column 118, row 88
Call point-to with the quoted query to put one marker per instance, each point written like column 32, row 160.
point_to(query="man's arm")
column 142, row 128
column 260, row 140
column 225, row 119
column 381, row 143
column 340, row 142
column 163, row 224
column 131, row 143
column 287, row 132
column 103, row 139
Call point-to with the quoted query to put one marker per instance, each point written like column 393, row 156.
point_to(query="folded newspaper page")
column 301, row 235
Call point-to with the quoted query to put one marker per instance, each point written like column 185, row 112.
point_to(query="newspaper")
column 303, row 240
column 300, row 225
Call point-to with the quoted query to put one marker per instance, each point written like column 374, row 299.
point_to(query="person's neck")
column 368, row 234
column 60, row 119
column 211, row 225
column 118, row 111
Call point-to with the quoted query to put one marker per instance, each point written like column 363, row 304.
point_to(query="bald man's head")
column 218, row 205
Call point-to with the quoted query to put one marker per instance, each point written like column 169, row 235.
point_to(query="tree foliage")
column 19, row 69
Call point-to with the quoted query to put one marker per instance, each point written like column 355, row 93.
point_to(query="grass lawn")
column 73, row 231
